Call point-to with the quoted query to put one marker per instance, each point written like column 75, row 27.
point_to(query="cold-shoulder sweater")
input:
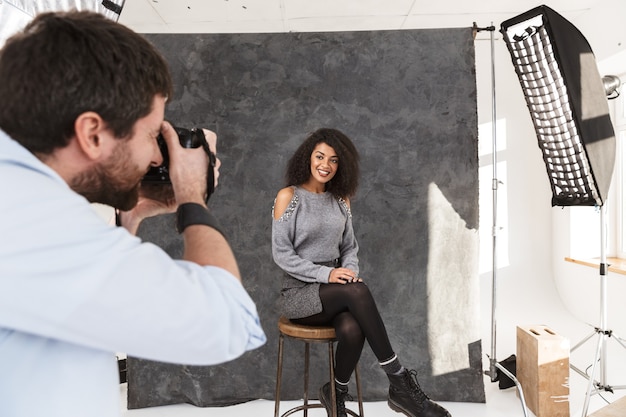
column 315, row 231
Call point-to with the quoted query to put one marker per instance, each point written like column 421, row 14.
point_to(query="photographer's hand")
column 154, row 199
column 188, row 172
column 211, row 139
column 187, row 168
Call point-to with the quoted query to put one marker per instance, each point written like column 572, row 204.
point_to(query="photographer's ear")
column 90, row 131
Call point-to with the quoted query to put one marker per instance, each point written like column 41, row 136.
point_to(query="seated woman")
column 313, row 242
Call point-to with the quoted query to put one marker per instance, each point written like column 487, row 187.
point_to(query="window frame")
column 618, row 110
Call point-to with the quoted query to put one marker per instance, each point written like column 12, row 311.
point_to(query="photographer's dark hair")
column 346, row 180
column 64, row 64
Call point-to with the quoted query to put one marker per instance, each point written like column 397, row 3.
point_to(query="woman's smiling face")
column 324, row 163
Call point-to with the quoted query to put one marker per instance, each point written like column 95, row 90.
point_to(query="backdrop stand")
column 494, row 365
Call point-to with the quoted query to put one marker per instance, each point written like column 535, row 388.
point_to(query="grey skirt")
column 300, row 299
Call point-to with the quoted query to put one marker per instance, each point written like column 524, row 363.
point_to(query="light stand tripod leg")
column 520, row 391
column 576, row 346
column 593, row 373
column 620, row 341
column 582, row 342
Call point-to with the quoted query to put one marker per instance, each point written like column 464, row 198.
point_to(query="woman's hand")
column 343, row 276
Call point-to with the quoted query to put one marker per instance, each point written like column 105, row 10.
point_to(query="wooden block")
column 543, row 370
column 616, row 409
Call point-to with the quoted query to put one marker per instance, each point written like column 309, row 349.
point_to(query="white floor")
column 499, row 403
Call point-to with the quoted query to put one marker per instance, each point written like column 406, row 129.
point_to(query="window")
column 619, row 177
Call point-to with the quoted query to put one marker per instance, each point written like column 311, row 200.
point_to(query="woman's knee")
column 360, row 296
column 361, row 289
column 355, row 291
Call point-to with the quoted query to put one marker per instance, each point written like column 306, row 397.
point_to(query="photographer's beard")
column 115, row 182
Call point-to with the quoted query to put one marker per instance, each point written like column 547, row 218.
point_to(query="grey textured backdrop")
column 408, row 100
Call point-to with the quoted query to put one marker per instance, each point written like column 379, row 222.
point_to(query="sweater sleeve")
column 284, row 254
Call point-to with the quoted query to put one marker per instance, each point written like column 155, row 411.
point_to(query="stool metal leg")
column 358, row 389
column 333, row 393
column 306, row 379
column 279, row 374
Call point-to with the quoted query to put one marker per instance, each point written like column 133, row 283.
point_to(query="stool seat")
column 321, row 333
column 308, row 335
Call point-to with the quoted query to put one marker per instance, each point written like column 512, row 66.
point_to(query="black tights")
column 352, row 311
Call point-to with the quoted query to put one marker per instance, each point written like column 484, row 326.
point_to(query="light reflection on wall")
column 450, row 242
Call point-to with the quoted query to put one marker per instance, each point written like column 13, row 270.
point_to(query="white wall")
column 534, row 283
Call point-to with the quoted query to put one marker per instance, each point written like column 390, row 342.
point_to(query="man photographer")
column 82, row 103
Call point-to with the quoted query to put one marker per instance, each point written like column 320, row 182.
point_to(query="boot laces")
column 415, row 389
column 342, row 397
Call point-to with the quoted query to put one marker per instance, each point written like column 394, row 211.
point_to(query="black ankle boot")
column 341, row 394
column 406, row 396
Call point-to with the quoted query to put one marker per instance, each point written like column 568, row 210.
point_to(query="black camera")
column 188, row 138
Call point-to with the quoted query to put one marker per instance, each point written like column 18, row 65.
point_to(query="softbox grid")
column 547, row 98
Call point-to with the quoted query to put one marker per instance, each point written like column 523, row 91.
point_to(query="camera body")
column 188, row 138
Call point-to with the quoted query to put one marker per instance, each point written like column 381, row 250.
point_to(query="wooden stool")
column 311, row 334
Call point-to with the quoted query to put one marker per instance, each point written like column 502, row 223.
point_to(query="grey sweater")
column 314, row 229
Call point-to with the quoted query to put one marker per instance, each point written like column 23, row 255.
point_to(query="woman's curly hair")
column 346, row 180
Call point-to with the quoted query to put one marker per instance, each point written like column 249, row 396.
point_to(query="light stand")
column 568, row 105
column 603, row 332
column 494, row 365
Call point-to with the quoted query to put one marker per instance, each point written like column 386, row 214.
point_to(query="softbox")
column 567, row 102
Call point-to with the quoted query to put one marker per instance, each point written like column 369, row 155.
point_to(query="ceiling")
column 156, row 16
column 592, row 17
column 262, row 16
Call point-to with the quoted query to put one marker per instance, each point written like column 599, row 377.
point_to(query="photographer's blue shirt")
column 75, row 290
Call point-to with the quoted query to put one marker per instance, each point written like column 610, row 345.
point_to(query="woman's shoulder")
column 286, row 193
column 285, row 199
